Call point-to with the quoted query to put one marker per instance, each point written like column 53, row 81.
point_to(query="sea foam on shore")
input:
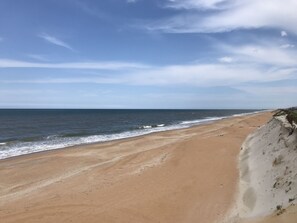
column 11, row 149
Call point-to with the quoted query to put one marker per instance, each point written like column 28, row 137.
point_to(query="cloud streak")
column 38, row 57
column 110, row 65
column 263, row 54
column 258, row 62
column 226, row 59
column 55, row 41
column 285, row 46
column 209, row 75
column 195, row 4
column 238, row 14
column 132, row 1
column 203, row 75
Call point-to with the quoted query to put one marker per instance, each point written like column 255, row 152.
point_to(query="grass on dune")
column 291, row 114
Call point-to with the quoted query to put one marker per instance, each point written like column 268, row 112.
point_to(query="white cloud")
column 1, row 39
column 91, row 10
column 284, row 33
column 55, row 41
column 208, row 75
column 285, row 46
column 226, row 59
column 270, row 90
column 190, row 4
column 192, row 75
column 240, row 14
column 7, row 63
column 260, row 62
column 263, row 54
column 132, row 1
column 94, row 80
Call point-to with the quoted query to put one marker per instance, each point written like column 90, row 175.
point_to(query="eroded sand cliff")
column 268, row 173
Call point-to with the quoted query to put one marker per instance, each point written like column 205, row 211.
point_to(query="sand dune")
column 268, row 174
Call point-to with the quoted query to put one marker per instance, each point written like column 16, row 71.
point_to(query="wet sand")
column 187, row 175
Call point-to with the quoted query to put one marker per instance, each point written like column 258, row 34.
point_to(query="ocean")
column 24, row 131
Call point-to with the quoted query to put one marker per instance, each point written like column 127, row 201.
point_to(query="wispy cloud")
column 204, row 75
column 90, row 80
column 110, row 65
column 55, row 41
column 92, row 11
column 258, row 62
column 194, row 4
column 37, row 57
column 226, row 59
column 270, row 90
column 209, row 75
column 239, row 14
column 263, row 54
column 1, row 39
column 132, row 1
column 240, row 64
column 285, row 46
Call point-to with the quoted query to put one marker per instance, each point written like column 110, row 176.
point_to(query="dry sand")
column 187, row 175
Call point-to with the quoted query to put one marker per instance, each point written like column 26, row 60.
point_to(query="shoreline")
column 180, row 175
column 200, row 123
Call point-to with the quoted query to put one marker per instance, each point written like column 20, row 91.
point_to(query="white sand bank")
column 268, row 170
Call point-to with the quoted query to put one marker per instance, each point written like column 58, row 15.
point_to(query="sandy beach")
column 187, row 175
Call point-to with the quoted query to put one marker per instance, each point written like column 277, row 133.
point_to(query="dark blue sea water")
column 25, row 131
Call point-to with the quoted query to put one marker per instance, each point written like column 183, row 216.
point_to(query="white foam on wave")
column 199, row 121
column 147, row 127
column 151, row 126
column 51, row 143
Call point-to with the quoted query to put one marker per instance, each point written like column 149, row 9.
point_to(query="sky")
column 167, row 54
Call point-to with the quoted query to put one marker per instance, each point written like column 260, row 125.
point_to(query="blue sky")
column 148, row 53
